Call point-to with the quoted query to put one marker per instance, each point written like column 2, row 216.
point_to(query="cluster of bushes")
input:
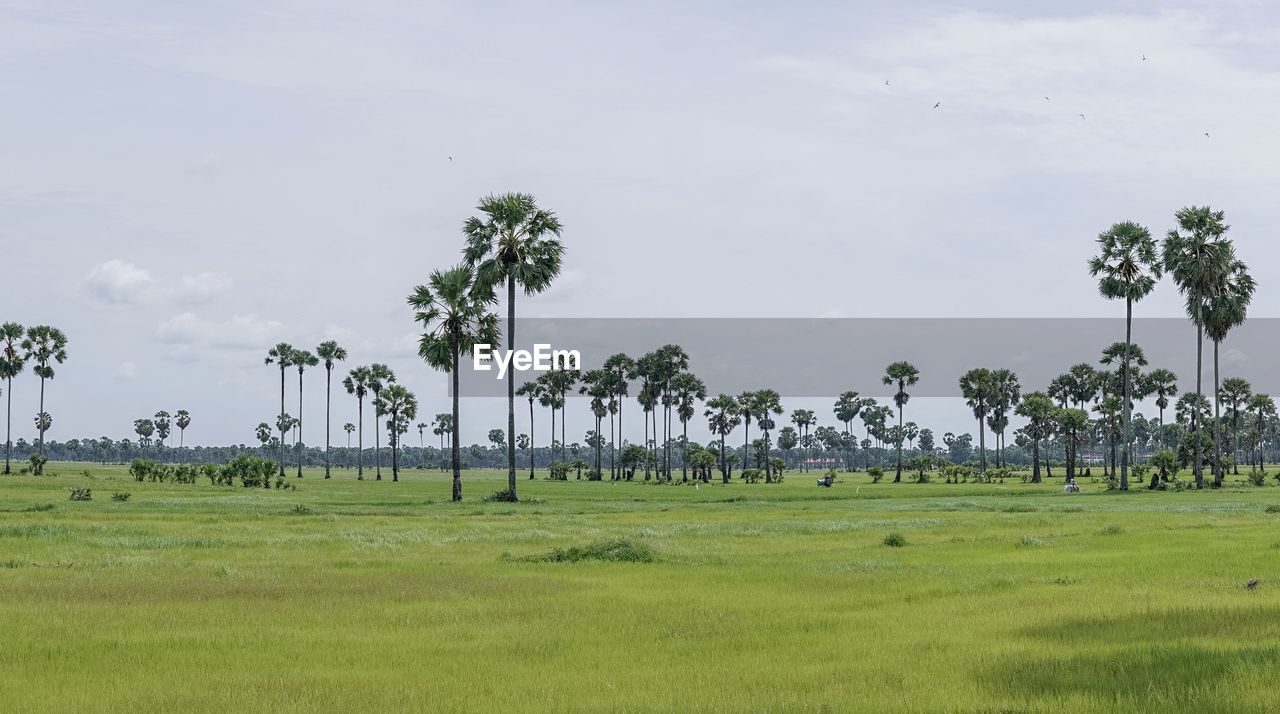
column 247, row 470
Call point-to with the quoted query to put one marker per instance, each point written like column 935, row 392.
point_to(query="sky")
column 183, row 185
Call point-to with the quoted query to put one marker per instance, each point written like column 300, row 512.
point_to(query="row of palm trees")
column 43, row 346
column 161, row 426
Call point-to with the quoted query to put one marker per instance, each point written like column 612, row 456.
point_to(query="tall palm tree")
column 163, row 426
column 978, row 388
column 764, row 404
column 1072, row 426
column 516, row 242
column 688, row 389
column 1007, row 391
column 723, row 416
column 531, row 389
column 349, row 428
column 803, row 419
column 302, row 359
column 1163, row 384
column 380, row 376
column 282, row 356
column 357, row 384
column 1127, row 268
column 623, row 369
column 1037, row 408
column 1264, row 411
column 900, row 375
column 1235, row 391
column 331, row 352
column 1199, row 258
column 746, row 405
column 183, row 421
column 401, row 408
column 13, row 359
column 1223, row 311
column 44, row 346
column 455, row 317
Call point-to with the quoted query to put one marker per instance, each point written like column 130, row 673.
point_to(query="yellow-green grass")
column 385, row 596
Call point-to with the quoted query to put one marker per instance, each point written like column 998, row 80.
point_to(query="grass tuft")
column 895, row 540
column 610, row 550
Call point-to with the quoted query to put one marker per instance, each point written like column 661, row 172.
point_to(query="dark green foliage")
column 876, row 473
column 300, row 510
column 38, row 508
column 559, row 471
column 895, row 540
column 250, row 471
column 81, row 494
column 612, row 550
column 751, row 475
column 1273, row 508
column 503, row 496
column 120, row 496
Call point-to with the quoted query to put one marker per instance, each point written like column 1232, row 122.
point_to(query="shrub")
column 1273, row 508
column 503, row 496
column 612, row 550
column 251, row 471
column 751, row 475
column 595, row 475
column 38, row 508
column 876, row 473
column 86, row 473
column 1257, row 479
column 81, row 494
column 300, row 510
column 559, row 471
column 37, row 464
column 184, row 473
column 895, row 540
column 212, row 472
column 142, row 469
column 120, row 496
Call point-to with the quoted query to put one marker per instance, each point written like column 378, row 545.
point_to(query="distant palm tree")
column 302, row 359
column 330, row 352
column 623, row 369
column 900, row 375
column 263, row 433
column 380, row 376
column 401, row 408
column 357, row 384
column 978, row 388
column 1235, row 391
column 1073, row 428
column 12, row 361
column 183, row 421
column 1222, row 312
column 516, row 242
column 1163, row 384
column 803, row 419
column 1038, row 409
column 746, row 410
column 765, row 403
column 1199, row 258
column 531, row 389
column 144, row 428
column 1007, row 391
column 455, row 317
column 282, row 356
column 1129, row 268
column 688, row 390
column 163, row 426
column 44, row 346
column 1264, row 412
column 723, row 416
column 348, row 427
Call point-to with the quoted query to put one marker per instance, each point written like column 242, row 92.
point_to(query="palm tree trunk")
column 684, row 452
column 511, row 387
column 283, row 426
column 456, row 457
column 40, row 469
column 1035, row 461
column 1195, row 412
column 8, row 429
column 359, row 440
column 982, row 446
column 533, row 445
column 724, row 466
column 377, row 441
column 621, row 437
column 1217, row 422
column 301, row 444
column 551, row 443
column 646, row 444
column 897, row 476
column 328, row 399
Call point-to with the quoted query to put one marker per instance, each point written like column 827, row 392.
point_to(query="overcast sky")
column 184, row 184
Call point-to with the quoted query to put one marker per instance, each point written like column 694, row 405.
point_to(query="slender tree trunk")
column 621, row 438
column 1195, row 412
column 724, row 465
column 564, row 411
column 1035, row 461
column 511, row 388
column 533, row 445
column 283, row 426
column 684, row 451
column 897, row 476
column 551, row 443
column 328, row 400
column 1217, row 422
column 982, row 446
column 40, row 469
column 1127, row 427
column 302, row 446
column 8, row 428
column 456, row 457
column 360, row 439
column 646, row 445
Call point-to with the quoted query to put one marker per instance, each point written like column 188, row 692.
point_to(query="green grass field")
column 368, row 596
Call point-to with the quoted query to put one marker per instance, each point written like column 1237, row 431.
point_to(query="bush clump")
column 1273, row 508
column 81, row 494
column 895, row 540
column 503, row 496
column 38, row 508
column 611, row 550
column 120, row 496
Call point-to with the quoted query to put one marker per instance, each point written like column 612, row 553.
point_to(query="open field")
column 364, row 596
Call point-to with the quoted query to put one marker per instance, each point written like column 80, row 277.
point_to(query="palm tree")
column 1264, row 410
column 532, row 390
column 1199, row 258
column 1007, row 391
column 282, row 356
column 1129, row 268
column 978, row 388
column 302, row 359
column 1236, row 391
column 1109, row 410
column 401, row 407
column 1073, row 426
column 144, row 428
column 1037, row 408
column 723, row 416
column 900, row 375
column 623, row 369
column 688, row 390
column 12, row 361
column 516, row 242
column 746, row 402
column 455, row 317
column 1164, row 384
column 1223, row 311
column 163, row 426
column 183, row 421
column 330, row 352
column 262, row 433
column 348, row 427
column 44, row 346
column 765, row 402
column 803, row 419
column 357, row 383
column 380, row 376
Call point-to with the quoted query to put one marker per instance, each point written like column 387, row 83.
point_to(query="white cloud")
column 240, row 331
column 118, row 282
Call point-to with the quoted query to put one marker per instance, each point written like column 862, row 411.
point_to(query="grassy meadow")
column 353, row 595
